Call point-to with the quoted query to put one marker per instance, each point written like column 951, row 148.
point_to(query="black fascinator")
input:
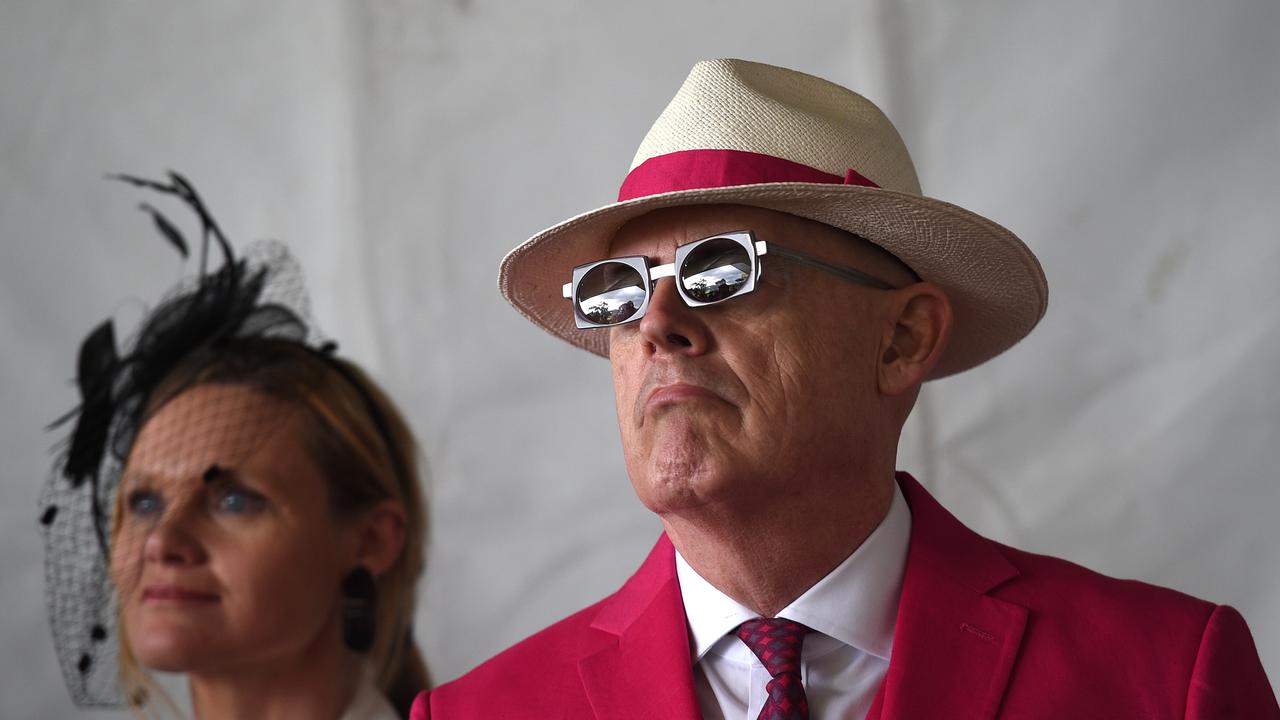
column 259, row 295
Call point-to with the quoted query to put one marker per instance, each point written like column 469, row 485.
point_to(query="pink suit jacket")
column 983, row 631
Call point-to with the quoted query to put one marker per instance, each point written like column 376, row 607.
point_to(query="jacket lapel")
column 954, row 645
column 641, row 666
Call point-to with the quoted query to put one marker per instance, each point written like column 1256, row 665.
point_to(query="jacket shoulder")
column 1105, row 637
column 1051, row 585
column 1088, row 625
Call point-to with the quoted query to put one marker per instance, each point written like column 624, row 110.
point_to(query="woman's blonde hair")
column 367, row 454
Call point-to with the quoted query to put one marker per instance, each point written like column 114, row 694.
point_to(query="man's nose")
column 671, row 326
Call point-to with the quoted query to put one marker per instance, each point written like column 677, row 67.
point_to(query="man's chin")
column 673, row 485
column 678, row 466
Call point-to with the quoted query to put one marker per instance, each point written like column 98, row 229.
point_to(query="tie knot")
column 776, row 641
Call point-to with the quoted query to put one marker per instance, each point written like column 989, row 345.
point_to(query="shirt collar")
column 856, row 603
column 369, row 703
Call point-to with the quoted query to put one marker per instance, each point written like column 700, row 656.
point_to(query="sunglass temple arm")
column 854, row 276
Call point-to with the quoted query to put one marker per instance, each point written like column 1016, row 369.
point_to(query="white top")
column 369, row 703
column 852, row 611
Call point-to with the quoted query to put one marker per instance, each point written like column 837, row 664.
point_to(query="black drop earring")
column 358, row 609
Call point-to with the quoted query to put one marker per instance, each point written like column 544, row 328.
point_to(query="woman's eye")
column 144, row 503
column 238, row 500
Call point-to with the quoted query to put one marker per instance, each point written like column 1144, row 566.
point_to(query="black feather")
column 167, row 229
column 210, row 227
column 142, row 182
column 96, row 370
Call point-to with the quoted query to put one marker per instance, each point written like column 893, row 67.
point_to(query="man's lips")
column 176, row 594
column 677, row 393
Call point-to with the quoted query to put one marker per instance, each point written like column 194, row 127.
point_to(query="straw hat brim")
column 996, row 287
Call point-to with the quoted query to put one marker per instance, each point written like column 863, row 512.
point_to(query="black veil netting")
column 259, row 295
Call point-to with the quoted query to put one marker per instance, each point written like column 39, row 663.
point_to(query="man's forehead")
column 667, row 227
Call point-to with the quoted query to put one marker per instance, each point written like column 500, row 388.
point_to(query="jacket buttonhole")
column 974, row 629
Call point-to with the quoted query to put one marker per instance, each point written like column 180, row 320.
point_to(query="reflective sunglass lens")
column 610, row 293
column 715, row 270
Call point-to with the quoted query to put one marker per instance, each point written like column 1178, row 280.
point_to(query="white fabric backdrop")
column 402, row 147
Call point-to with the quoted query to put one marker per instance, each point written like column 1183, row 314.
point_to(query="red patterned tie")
column 777, row 642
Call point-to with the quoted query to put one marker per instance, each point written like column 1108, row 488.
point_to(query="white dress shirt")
column 369, row 703
column 852, row 612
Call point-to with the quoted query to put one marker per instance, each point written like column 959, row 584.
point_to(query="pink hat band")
column 703, row 169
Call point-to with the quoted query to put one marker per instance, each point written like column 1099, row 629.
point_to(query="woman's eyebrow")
column 217, row 474
column 133, row 478
column 214, row 473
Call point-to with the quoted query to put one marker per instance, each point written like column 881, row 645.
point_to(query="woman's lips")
column 176, row 595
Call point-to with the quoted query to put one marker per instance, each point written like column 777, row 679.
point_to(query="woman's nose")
column 174, row 539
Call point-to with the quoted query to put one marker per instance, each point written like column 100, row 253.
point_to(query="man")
column 771, row 290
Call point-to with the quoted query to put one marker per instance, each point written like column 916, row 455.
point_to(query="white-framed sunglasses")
column 614, row 291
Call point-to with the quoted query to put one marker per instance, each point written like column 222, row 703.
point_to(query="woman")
column 266, row 520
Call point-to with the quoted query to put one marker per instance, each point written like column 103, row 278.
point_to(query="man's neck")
column 766, row 560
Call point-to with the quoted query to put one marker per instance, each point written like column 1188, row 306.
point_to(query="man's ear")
column 380, row 536
column 916, row 332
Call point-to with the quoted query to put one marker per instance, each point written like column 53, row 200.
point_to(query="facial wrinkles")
column 767, row 352
column 789, row 381
column 782, row 356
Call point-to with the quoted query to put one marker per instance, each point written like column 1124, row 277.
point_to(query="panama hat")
column 747, row 133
